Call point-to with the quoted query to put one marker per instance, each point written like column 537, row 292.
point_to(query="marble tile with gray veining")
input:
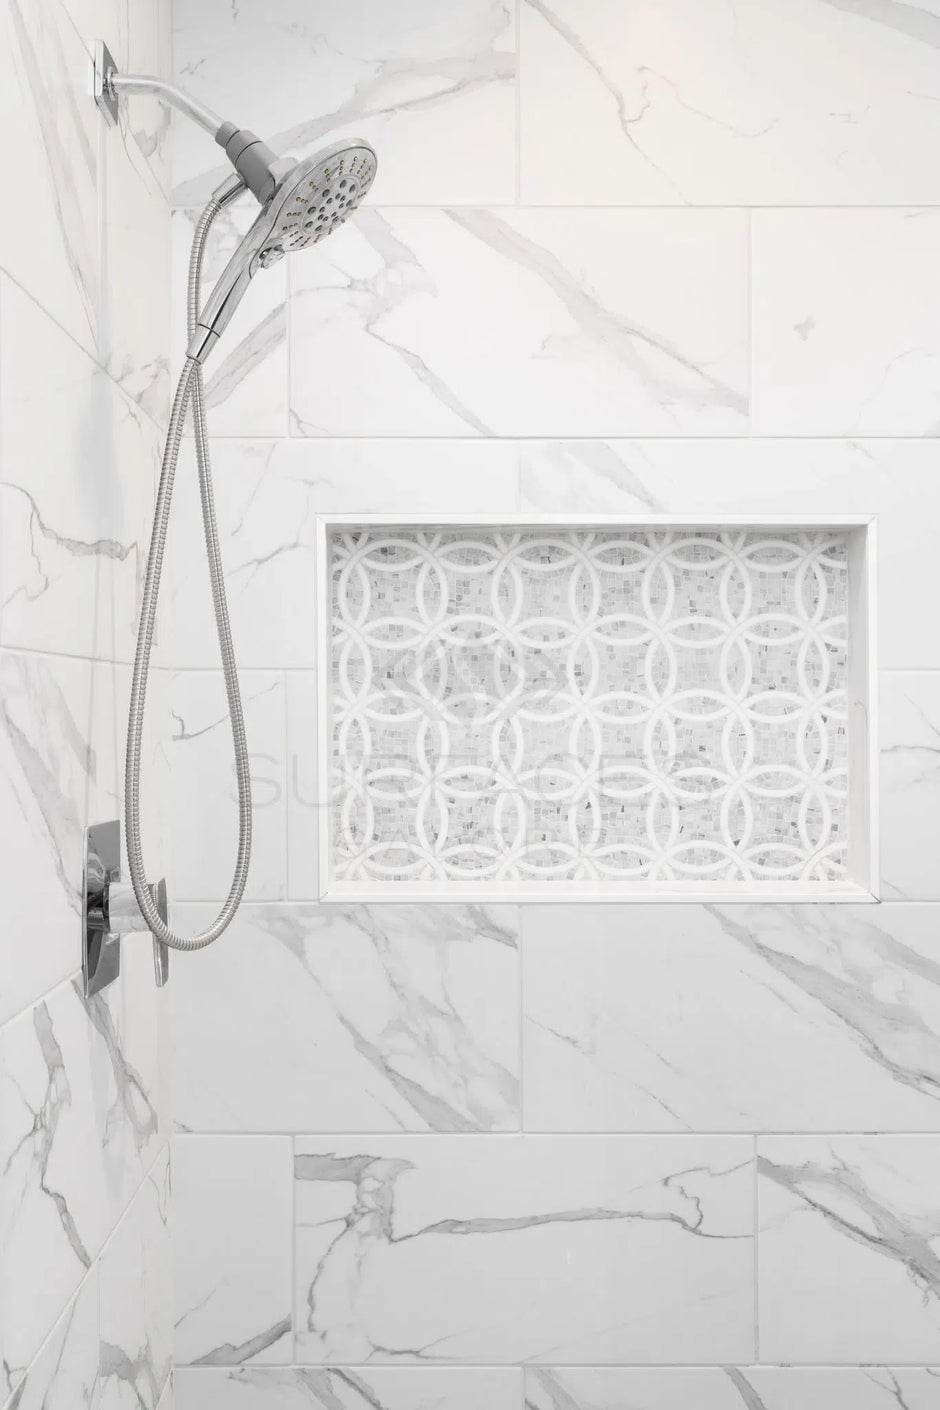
column 134, row 317
column 347, row 1388
column 910, row 784
column 77, row 466
column 232, row 1250
column 570, row 322
column 473, row 1250
column 199, row 792
column 78, row 1130
column 136, row 1300
column 350, row 1018
column 149, row 50
column 433, row 89
column 745, row 1018
column 274, row 490
column 848, row 1262
column 733, row 1388
column 824, row 362
column 815, row 102
column 767, row 478
column 51, row 247
column 64, row 1375
column 47, row 768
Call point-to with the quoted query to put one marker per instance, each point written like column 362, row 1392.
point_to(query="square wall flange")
column 597, row 709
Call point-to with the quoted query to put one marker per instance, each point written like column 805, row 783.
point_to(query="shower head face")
column 314, row 197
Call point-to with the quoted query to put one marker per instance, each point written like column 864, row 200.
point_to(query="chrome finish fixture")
column 105, row 95
column 110, row 83
column 311, row 199
column 167, row 93
column 301, row 203
column 110, row 910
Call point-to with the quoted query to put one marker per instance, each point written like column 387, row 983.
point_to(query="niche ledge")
column 596, row 709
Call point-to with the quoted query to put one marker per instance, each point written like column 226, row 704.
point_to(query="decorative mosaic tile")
column 515, row 705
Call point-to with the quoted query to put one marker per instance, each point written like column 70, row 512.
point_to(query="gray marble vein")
column 847, row 1202
column 230, row 1354
column 228, row 374
column 39, row 1140
column 744, row 1388
column 133, row 1108
column 469, row 1089
column 49, row 87
column 627, row 120
column 630, row 344
column 31, row 699
column 843, row 966
column 348, row 1250
column 912, row 20
column 378, row 296
column 396, row 85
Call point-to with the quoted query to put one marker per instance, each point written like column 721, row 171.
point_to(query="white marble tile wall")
column 671, row 257
column 85, row 1309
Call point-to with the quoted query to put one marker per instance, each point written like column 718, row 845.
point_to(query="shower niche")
column 596, row 709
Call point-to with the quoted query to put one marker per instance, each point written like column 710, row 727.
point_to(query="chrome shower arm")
column 252, row 159
column 110, row 83
column 167, row 93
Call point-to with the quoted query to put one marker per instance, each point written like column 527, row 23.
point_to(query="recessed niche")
column 621, row 709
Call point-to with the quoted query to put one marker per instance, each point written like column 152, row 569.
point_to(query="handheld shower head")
column 310, row 200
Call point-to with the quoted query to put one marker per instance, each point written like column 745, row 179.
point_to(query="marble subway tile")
column 690, row 101
column 64, row 1375
column 733, row 1018
column 73, row 518
column 473, row 1250
column 134, row 316
column 359, row 1388
column 827, row 362
column 232, row 1241
column 768, row 478
column 350, row 1018
column 246, row 377
column 523, row 322
column 433, row 89
column 136, row 1300
column 270, row 492
column 51, row 248
column 732, row 1388
column 847, row 1259
column 77, row 1127
column 200, row 792
column 47, row 768
column 149, row 44
column 909, row 729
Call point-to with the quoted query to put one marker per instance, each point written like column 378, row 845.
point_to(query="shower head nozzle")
column 311, row 198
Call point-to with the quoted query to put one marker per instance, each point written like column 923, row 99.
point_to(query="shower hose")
column 189, row 391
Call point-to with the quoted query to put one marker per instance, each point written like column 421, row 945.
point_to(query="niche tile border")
column 746, row 773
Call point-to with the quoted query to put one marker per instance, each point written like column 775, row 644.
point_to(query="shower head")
column 310, row 199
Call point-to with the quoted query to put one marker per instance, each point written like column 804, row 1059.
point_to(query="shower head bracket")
column 105, row 93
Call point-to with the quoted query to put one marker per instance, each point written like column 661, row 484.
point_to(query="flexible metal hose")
column 189, row 390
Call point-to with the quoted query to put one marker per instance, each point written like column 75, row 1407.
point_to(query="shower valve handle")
column 110, row 910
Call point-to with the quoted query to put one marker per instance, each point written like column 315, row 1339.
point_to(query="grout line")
column 517, row 1367
column 395, row 1133
column 846, row 438
column 520, row 950
column 756, row 1197
column 518, row 101
column 749, row 296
